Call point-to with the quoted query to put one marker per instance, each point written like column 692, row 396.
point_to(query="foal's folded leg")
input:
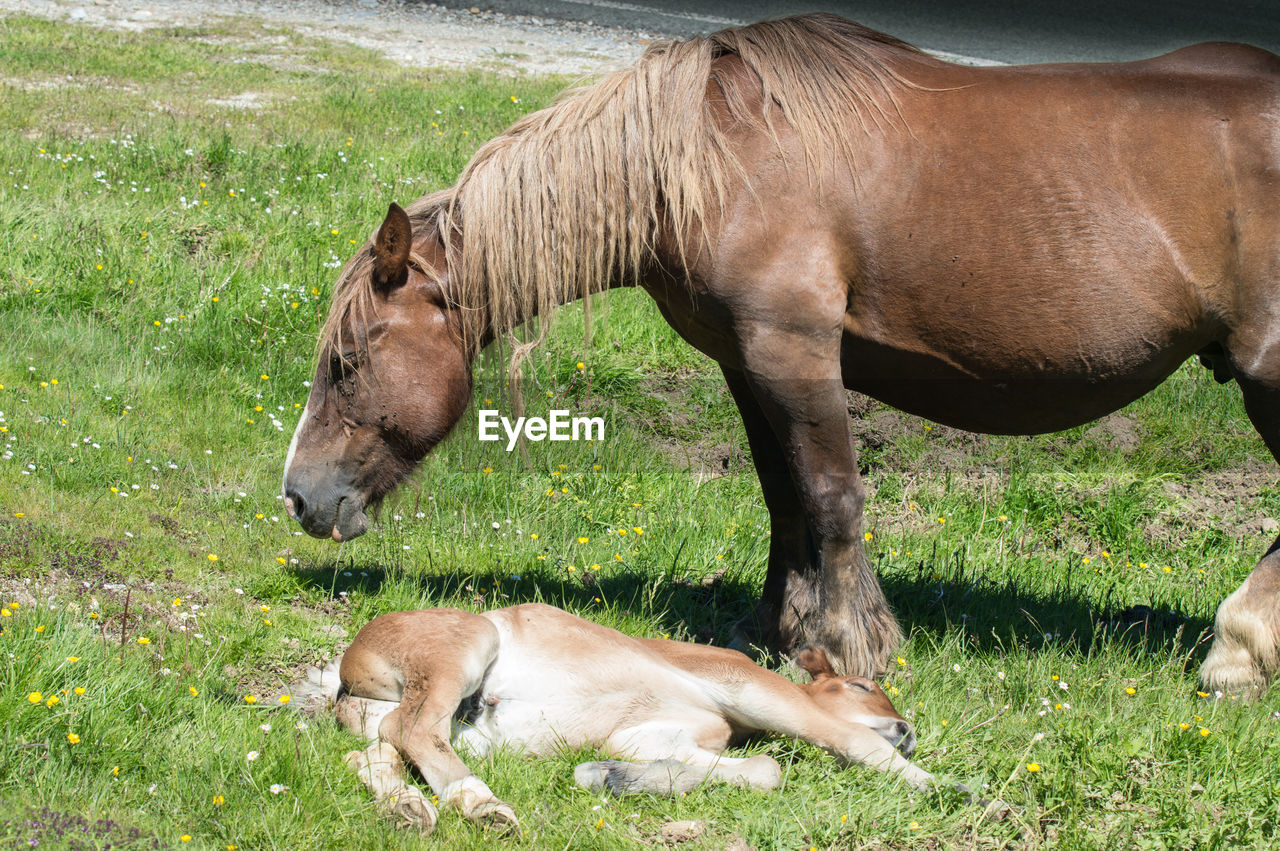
column 382, row 772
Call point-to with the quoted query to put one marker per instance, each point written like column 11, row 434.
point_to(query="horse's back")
column 1038, row 246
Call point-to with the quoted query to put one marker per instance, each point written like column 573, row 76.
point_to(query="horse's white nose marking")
column 288, row 459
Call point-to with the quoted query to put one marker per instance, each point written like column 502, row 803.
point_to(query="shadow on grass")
column 988, row 612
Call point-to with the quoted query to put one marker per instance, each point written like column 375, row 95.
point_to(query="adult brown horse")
column 817, row 207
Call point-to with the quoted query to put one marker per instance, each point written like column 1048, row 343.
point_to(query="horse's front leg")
column 791, row 553
column 831, row 597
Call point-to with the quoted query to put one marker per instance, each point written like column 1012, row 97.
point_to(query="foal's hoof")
column 495, row 815
column 411, row 808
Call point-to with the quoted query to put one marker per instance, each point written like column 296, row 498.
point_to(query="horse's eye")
column 857, row 684
column 341, row 365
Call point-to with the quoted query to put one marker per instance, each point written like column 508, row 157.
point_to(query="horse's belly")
column 1028, row 392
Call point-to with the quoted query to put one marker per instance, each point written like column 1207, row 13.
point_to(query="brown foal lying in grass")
column 538, row 679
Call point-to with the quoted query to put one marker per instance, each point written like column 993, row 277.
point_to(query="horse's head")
column 856, row 699
column 393, row 378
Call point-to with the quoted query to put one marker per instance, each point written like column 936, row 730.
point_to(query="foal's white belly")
column 542, row 703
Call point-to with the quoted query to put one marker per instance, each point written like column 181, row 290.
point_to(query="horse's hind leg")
column 1247, row 628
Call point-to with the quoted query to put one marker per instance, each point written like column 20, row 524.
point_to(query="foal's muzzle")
column 903, row 738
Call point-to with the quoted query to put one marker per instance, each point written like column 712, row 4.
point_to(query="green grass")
column 166, row 265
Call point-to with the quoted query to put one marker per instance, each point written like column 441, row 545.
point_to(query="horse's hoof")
column 1231, row 673
column 747, row 640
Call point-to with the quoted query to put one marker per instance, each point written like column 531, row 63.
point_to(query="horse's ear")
column 391, row 248
column 815, row 662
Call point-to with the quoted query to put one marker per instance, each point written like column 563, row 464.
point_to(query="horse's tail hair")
column 319, row 688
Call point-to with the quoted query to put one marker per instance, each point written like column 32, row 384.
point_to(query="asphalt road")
column 1001, row 30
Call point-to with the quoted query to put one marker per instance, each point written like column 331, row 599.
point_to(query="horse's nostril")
column 294, row 504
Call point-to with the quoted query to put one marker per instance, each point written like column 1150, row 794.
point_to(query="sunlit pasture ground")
column 168, row 254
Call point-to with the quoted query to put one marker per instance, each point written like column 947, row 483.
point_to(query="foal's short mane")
column 574, row 196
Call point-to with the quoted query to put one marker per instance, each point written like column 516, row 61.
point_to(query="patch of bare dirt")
column 1118, row 432
column 1225, row 499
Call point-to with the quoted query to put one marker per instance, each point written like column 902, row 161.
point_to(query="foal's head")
column 393, row 378
column 855, row 699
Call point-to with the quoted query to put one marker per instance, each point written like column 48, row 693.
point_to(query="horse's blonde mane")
column 576, row 195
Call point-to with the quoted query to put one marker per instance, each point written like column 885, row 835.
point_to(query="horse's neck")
column 505, row 331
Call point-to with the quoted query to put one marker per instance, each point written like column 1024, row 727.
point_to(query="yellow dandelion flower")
column 1131, row 690
column 1184, row 726
column 280, row 559
column 79, row 690
column 249, row 698
column 212, row 557
column 115, row 771
column 177, row 601
column 35, row 697
column 284, row 698
column 1204, row 732
column 40, row 628
column 582, row 540
column 142, row 639
column 265, row 608
column 73, row 739
column 866, row 536
column 186, row 837
column 193, row 691
column 218, row 800
column 53, row 701
column 1033, row 767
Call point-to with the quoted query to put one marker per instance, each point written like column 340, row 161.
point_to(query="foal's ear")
column 815, row 662
column 391, row 248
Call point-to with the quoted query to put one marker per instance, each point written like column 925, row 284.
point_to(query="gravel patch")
column 423, row 35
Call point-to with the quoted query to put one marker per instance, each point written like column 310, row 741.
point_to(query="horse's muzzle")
column 326, row 511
